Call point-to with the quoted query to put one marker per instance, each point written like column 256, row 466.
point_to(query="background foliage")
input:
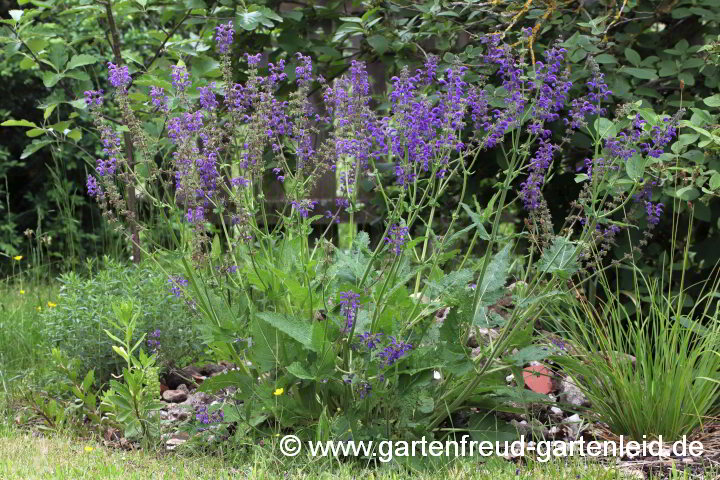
column 663, row 53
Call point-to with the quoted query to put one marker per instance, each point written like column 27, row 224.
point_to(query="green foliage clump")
column 650, row 366
column 84, row 307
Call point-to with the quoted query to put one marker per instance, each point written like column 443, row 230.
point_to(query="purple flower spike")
column 224, row 37
column 394, row 352
column 177, row 282
column 119, row 76
column 371, row 340
column 364, row 389
column 180, row 77
column 397, row 237
column 349, row 307
column 94, row 190
column 303, row 72
column 654, row 212
column 159, row 99
column 207, row 97
column 93, row 98
column 253, row 60
column 304, row 207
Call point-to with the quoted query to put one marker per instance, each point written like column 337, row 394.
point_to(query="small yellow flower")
column 278, row 391
column 88, row 449
column 39, row 309
column 51, row 304
column 22, row 292
column 17, row 257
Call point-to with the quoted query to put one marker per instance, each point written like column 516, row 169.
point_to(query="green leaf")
column 80, row 60
column 531, row 353
column 51, row 78
column 34, row 147
column 633, row 56
column 715, row 181
column 35, row 132
column 477, row 222
column 604, row 127
column 216, row 249
column 635, row 167
column 379, row 43
column 605, row 58
column 688, row 193
column 295, row 328
column 233, row 378
column 642, row 73
column 449, row 284
column 425, row 403
column 300, row 372
column 560, row 258
column 18, row 123
column 269, row 13
column 485, row 427
column 248, row 20
column 713, row 101
column 206, row 66
column 492, row 286
column 148, row 80
column 36, row 44
column 58, row 56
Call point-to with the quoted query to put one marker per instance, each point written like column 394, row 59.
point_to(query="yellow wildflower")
column 39, row 309
column 22, row 292
column 88, row 449
column 17, row 257
column 278, row 391
column 51, row 304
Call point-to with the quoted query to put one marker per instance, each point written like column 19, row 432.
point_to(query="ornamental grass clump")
column 647, row 359
column 345, row 334
column 648, row 372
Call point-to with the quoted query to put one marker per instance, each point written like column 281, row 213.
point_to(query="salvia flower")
column 205, row 417
column 94, row 190
column 239, row 182
column 119, row 76
column 207, row 97
column 349, row 307
column 253, row 60
column 371, row 340
column 153, row 343
column 159, row 99
column 394, row 352
column 177, row 282
column 195, row 215
column 224, row 37
column 94, row 98
column 180, row 77
column 654, row 212
column 364, row 389
column 303, row 207
column 531, row 188
column 303, row 72
column 397, row 237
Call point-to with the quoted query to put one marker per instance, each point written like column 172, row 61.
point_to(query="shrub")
column 84, row 308
column 340, row 341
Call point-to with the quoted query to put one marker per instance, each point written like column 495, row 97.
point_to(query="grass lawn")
column 24, row 456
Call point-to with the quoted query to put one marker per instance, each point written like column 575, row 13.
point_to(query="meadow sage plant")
column 350, row 336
